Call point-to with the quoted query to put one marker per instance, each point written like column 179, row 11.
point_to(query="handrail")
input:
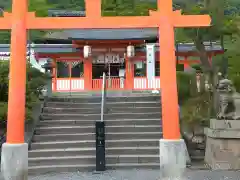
column 103, row 96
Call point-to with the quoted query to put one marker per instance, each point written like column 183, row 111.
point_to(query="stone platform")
column 138, row 175
column 223, row 144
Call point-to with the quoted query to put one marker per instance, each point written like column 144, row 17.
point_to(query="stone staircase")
column 65, row 136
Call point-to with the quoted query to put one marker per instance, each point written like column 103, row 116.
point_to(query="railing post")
column 100, row 132
column 103, row 97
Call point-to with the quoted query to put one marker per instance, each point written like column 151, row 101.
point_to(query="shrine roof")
column 105, row 34
column 68, row 48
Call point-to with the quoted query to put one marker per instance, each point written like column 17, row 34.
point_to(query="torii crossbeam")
column 165, row 19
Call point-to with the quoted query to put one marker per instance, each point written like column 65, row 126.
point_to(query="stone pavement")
column 139, row 175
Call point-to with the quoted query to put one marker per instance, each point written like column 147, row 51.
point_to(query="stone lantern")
column 87, row 51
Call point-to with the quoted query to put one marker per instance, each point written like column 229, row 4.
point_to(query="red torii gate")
column 165, row 19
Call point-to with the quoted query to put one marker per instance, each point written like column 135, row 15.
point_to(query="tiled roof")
column 64, row 48
column 105, row 34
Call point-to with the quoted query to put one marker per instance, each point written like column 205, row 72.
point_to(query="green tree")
column 4, row 80
column 222, row 25
column 127, row 7
column 35, row 82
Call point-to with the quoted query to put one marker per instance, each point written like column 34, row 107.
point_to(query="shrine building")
column 108, row 53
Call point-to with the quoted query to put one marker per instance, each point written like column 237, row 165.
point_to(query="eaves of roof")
column 67, row 48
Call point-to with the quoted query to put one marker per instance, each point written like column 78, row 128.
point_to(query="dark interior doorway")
column 112, row 70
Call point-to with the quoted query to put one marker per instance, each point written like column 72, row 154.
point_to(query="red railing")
column 113, row 83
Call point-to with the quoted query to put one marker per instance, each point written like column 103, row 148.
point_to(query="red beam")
column 138, row 54
column 90, row 23
column 49, row 55
column 113, row 22
column 69, row 59
column 108, row 42
column 189, row 61
column 5, row 22
column 102, row 46
column 106, row 22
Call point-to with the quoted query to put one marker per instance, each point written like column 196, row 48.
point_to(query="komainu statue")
column 226, row 104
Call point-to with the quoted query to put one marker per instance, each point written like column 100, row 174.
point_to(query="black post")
column 100, row 146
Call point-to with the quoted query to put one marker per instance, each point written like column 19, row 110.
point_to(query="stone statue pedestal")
column 223, row 144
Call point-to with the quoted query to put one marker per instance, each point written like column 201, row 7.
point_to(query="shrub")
column 236, row 82
column 180, row 67
column 3, row 111
column 196, row 111
column 4, row 80
column 35, row 82
column 184, row 85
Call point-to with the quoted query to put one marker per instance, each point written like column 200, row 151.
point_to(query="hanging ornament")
column 87, row 51
column 130, row 51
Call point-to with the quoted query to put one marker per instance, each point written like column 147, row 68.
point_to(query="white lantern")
column 87, row 51
column 130, row 51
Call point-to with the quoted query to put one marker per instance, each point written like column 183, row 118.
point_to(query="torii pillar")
column 14, row 160
column 14, row 164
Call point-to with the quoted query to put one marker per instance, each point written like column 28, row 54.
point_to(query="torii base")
column 172, row 159
column 14, row 161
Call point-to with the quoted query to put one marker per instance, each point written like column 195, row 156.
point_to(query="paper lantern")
column 87, row 51
column 130, row 51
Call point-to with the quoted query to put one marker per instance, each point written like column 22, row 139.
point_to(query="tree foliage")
column 222, row 25
column 35, row 82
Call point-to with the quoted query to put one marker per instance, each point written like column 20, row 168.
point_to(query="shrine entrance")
column 114, row 67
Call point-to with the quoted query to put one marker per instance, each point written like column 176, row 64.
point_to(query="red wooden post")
column 87, row 74
column 129, row 74
column 55, row 75
column 17, row 78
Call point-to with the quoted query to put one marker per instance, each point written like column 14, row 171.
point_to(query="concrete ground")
column 139, row 175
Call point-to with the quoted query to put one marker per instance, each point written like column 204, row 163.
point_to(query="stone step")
column 56, row 110
column 110, row 159
column 91, row 136
column 197, row 158
column 92, row 151
column 65, row 136
column 38, row 170
column 196, row 155
column 120, row 122
column 108, row 99
column 91, row 129
column 108, row 104
column 199, row 165
column 99, row 94
column 134, row 109
column 91, row 143
column 97, row 116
